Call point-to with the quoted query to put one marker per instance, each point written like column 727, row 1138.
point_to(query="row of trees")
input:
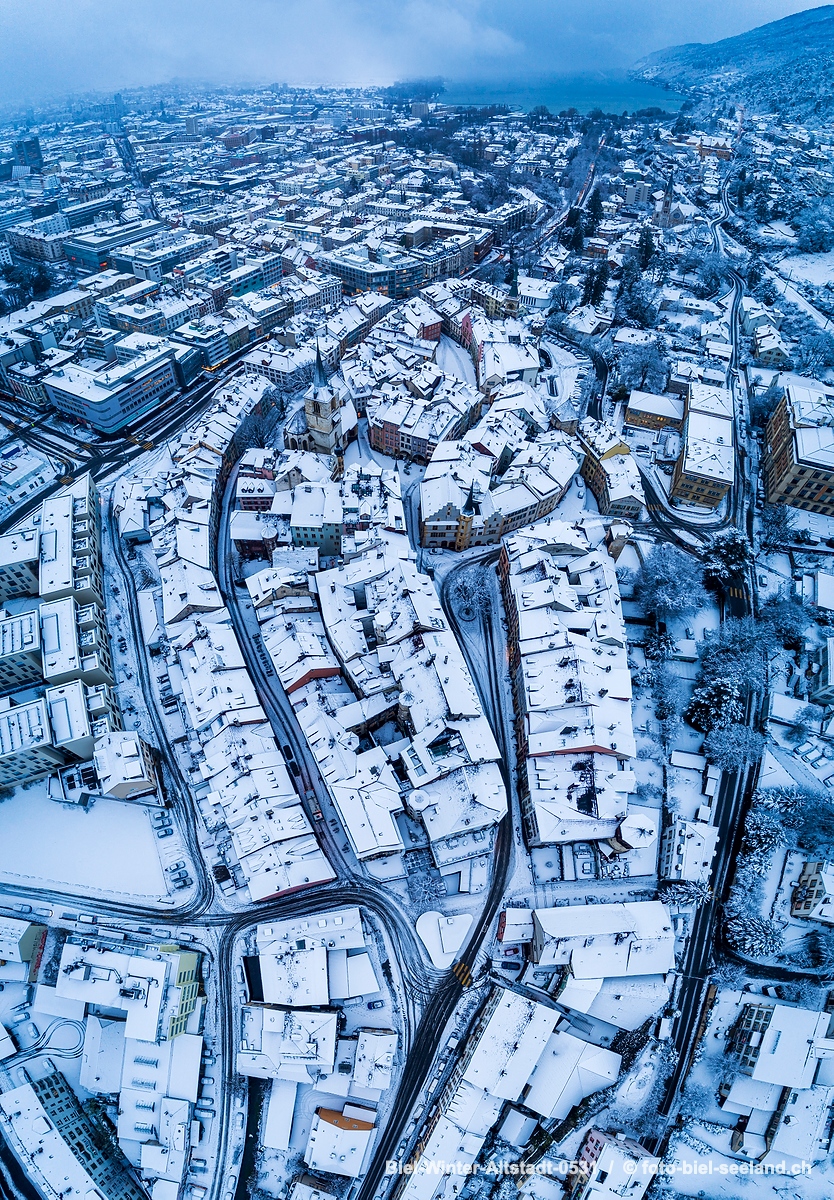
column 596, row 281
column 778, row 817
column 733, row 660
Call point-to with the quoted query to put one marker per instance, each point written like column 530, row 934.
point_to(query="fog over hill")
column 784, row 67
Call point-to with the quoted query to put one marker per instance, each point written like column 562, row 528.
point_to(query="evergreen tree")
column 594, row 211
column 763, row 404
column 576, row 242
column 715, row 705
column 755, row 936
column 732, row 747
column 588, row 286
column 688, row 892
column 600, row 282
column 728, row 557
column 787, row 618
column 645, row 247
column 669, row 583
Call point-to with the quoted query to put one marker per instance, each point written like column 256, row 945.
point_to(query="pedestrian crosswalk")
column 462, row 974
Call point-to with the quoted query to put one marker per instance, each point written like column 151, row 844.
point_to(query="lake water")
column 612, row 91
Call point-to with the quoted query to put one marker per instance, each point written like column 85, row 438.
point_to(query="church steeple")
column 666, row 207
column 320, row 375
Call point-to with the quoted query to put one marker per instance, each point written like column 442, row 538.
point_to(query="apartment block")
column 612, row 1166
column 75, row 642
column 27, row 749
column 610, row 470
column 687, row 850
column 813, row 895
column 800, row 449
column 125, row 767
column 19, row 560
column 70, row 550
column 67, row 1150
column 20, row 649
column 92, row 250
column 645, row 410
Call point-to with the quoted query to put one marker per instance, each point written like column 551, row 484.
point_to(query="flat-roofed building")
column 62, row 1146
column 111, row 395
column 216, row 336
column 91, row 250
column 70, row 558
column 18, row 939
column 125, row 766
column 152, row 258
column 800, row 448
column 20, row 649
column 340, row 1142
column 42, row 735
column 26, row 745
column 705, row 470
column 78, row 714
column 156, row 991
column 19, row 556
column 780, row 1044
column 75, row 642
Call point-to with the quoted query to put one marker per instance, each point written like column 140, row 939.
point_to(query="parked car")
column 179, row 884
column 177, row 866
column 375, row 1004
column 165, row 831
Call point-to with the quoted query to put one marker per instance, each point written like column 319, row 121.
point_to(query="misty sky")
column 52, row 47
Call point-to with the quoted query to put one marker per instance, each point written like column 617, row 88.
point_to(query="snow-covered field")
column 816, row 268
column 108, row 848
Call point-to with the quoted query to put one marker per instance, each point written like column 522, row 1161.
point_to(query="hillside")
column 784, row 66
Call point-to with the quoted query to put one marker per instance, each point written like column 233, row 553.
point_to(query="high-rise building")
column 27, row 153
column 800, row 437
column 67, row 1149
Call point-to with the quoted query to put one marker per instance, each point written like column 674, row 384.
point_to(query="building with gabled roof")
column 601, row 940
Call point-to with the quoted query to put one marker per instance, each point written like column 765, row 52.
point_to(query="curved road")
column 444, row 991
column 736, row 790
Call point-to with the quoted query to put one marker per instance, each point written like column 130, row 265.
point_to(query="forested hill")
column 785, row 66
